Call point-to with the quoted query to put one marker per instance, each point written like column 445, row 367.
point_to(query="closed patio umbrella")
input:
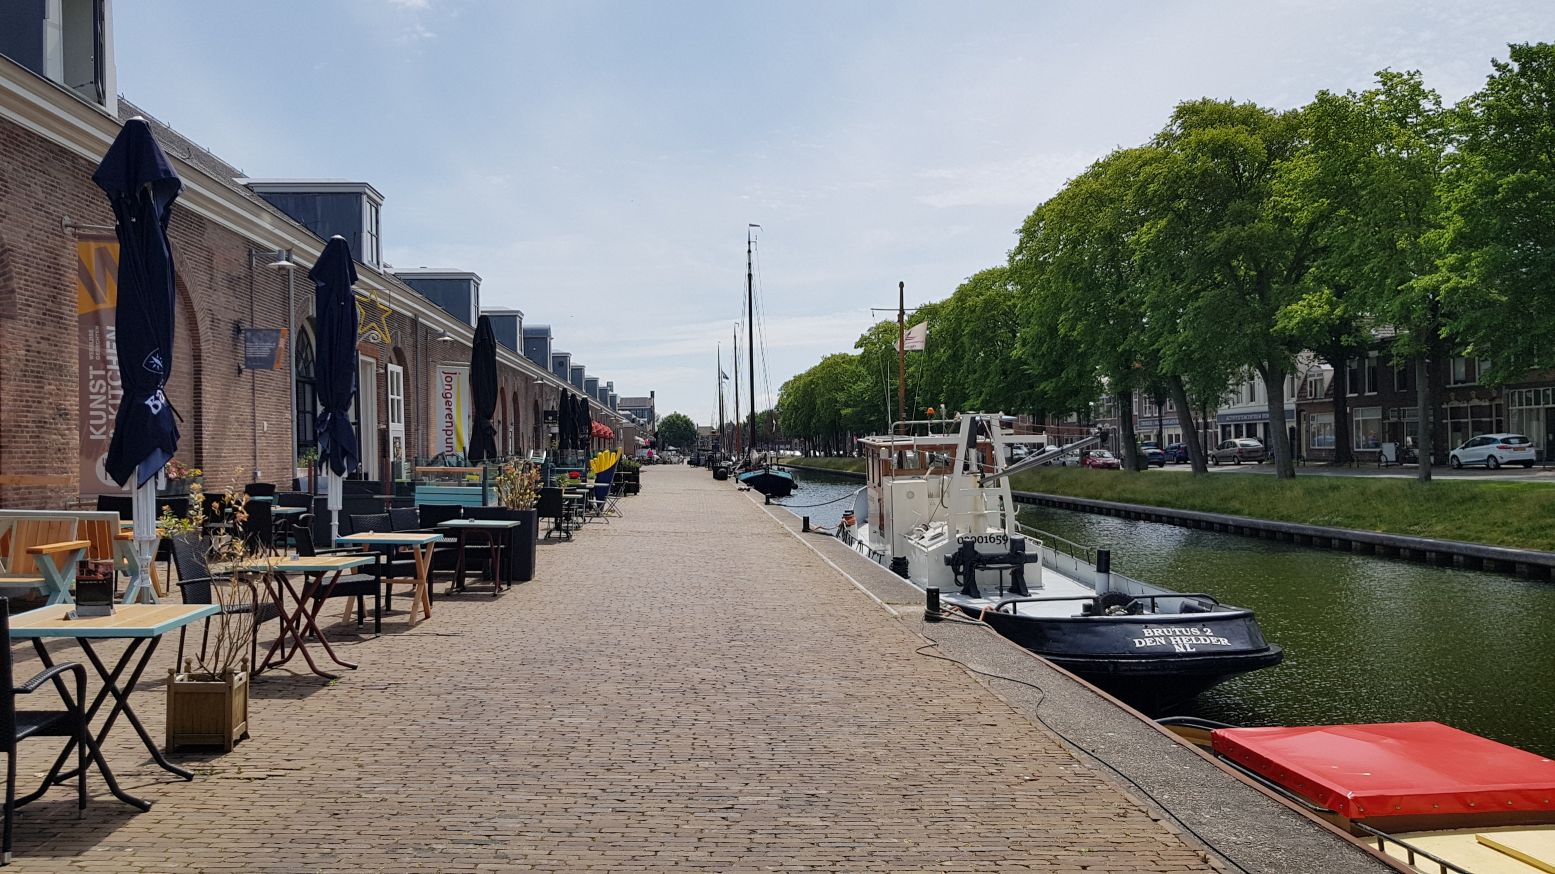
column 483, row 391
column 565, row 429
column 141, row 187
column 334, row 308
column 585, row 426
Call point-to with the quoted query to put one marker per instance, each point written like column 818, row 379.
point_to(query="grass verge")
column 1492, row 512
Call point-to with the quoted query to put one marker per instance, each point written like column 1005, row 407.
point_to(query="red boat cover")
column 1394, row 769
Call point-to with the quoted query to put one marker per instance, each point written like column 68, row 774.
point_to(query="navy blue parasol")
column 334, row 307
column 141, row 187
column 483, row 391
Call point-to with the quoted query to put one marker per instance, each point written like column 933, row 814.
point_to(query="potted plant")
column 207, row 696
column 631, row 476
column 179, row 477
column 518, row 489
column 305, row 461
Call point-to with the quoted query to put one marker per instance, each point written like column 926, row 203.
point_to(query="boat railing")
column 1060, row 545
column 1383, row 839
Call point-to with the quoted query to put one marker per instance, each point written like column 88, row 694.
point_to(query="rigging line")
column 761, row 327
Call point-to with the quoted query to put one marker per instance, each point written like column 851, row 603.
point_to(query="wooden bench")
column 109, row 540
column 41, row 554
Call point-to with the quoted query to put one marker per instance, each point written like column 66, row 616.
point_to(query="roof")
column 1394, row 768
column 312, row 186
column 636, row 402
column 435, row 273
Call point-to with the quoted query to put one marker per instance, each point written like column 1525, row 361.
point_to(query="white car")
column 1494, row 450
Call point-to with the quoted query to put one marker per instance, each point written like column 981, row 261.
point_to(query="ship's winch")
column 994, row 551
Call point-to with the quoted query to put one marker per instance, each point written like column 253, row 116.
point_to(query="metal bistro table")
column 137, row 623
column 319, row 575
column 496, row 532
column 420, row 546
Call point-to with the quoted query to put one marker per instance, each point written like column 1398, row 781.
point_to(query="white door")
column 396, row 395
column 367, row 414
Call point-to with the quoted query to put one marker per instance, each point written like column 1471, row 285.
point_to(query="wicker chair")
column 357, row 586
column 197, row 587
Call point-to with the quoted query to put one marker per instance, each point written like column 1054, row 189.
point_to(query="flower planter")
column 205, row 710
column 518, row 551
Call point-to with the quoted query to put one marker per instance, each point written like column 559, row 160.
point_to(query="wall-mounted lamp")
column 444, row 337
column 279, row 260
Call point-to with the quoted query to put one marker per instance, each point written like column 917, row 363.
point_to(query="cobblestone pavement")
column 685, row 688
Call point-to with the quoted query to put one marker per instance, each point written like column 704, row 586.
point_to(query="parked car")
column 1494, row 450
column 1237, row 450
column 1176, row 453
column 1152, row 454
column 1100, row 459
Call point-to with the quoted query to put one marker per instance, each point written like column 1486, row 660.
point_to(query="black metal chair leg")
column 183, row 632
column 378, row 612
column 83, row 737
column 205, row 638
column 10, row 803
column 361, row 611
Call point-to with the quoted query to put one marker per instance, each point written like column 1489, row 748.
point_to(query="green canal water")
column 1366, row 639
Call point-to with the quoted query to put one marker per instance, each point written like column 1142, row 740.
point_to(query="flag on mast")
column 916, row 337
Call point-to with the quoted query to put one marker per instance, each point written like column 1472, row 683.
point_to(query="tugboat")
column 1433, row 797
column 937, row 510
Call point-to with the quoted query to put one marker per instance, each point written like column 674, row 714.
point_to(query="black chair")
column 404, row 518
column 258, row 530
column 17, row 725
column 551, row 506
column 195, row 583
column 124, row 505
column 259, row 490
column 433, row 515
column 294, row 499
column 357, row 586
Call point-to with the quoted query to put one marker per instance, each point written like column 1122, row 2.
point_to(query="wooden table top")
column 480, row 523
column 128, row 620
column 390, row 538
column 315, row 563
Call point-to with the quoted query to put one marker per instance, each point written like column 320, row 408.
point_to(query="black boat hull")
column 771, row 482
column 1151, row 662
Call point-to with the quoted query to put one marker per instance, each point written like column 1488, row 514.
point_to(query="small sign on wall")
column 261, row 348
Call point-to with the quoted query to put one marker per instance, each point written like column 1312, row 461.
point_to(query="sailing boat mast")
column 736, row 428
column 750, row 347
column 901, row 350
column 720, row 430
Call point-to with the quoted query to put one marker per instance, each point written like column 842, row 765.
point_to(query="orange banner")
column 97, row 290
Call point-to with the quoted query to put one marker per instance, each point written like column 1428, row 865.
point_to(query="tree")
column 1214, row 235
column 677, row 430
column 1498, row 270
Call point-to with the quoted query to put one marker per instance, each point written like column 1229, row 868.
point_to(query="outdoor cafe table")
column 496, row 532
column 420, row 546
column 319, row 575
column 137, row 623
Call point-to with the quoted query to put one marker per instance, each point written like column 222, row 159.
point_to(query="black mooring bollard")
column 804, row 523
column 931, row 612
column 899, row 566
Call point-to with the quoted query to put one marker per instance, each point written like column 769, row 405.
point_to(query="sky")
column 597, row 163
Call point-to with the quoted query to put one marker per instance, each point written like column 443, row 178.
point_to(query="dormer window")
column 64, row 41
column 372, row 245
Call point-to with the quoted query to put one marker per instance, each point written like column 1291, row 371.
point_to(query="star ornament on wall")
column 372, row 314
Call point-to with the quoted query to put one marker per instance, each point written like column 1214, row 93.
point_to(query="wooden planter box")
column 206, row 711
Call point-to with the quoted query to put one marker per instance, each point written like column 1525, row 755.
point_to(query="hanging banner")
column 451, row 408
column 97, row 289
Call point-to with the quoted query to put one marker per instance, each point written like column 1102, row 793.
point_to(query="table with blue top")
column 319, row 572
column 496, row 532
column 420, row 546
column 141, row 625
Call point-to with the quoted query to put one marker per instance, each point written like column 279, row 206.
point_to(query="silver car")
column 1494, row 450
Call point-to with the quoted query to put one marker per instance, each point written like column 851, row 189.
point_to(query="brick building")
column 241, row 249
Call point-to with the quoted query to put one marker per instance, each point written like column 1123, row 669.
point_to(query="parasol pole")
column 143, row 514
column 334, row 489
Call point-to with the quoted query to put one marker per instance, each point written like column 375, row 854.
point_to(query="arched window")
column 307, row 393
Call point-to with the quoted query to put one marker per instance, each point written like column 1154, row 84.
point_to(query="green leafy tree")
column 1214, row 235
column 1498, row 269
column 677, row 430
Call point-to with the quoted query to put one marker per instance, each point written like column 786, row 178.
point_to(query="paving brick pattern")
column 688, row 688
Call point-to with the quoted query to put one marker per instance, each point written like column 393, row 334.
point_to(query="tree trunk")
column 1425, row 396
column 1190, row 434
column 1339, row 359
column 1274, row 385
column 1127, row 456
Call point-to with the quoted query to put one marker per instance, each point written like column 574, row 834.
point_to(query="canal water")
column 1366, row 639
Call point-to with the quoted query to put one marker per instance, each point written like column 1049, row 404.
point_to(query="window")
column 1352, row 375
column 1401, row 374
column 1366, row 428
column 1313, row 389
column 1371, row 374
column 1460, row 372
column 307, row 397
column 1320, row 431
column 1362, row 374
column 372, row 252
column 1466, row 420
column 61, row 40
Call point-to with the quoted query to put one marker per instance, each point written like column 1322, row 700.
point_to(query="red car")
column 1101, row 459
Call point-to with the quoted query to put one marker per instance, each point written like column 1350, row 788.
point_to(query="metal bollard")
column 804, row 523
column 931, row 609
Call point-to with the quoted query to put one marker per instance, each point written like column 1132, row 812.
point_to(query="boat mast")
column 720, row 430
column 750, row 346
column 901, row 350
column 736, row 429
